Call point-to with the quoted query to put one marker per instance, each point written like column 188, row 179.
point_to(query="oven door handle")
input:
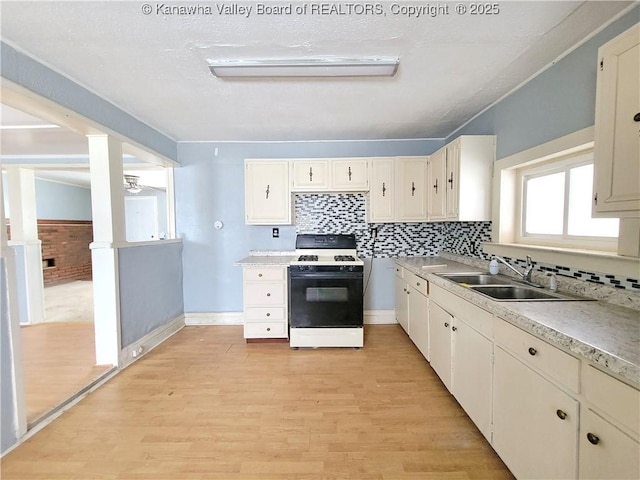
column 326, row 275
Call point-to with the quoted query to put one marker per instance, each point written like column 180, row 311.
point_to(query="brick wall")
column 65, row 250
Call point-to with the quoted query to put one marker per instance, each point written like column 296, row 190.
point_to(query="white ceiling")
column 155, row 66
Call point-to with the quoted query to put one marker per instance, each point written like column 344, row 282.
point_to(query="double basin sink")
column 504, row 289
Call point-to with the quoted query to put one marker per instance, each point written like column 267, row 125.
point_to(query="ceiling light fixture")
column 306, row 67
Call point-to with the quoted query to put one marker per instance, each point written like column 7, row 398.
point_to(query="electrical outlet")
column 275, row 233
column 374, row 232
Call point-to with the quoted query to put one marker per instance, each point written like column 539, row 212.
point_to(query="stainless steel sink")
column 515, row 293
column 477, row 278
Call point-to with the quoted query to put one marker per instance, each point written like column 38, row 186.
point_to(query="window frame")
column 562, row 163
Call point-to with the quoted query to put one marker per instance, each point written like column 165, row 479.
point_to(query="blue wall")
column 59, row 201
column 7, row 422
column 210, row 187
column 559, row 101
column 150, row 288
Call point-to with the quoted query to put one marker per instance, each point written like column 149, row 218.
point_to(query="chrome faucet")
column 525, row 274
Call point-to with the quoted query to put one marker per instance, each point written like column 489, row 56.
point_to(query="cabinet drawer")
column 264, row 314
column 474, row 316
column 538, row 354
column 399, row 271
column 254, row 274
column 416, row 282
column 616, row 399
column 259, row 294
column 265, row 330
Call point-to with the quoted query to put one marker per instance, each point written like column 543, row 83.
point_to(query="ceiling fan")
column 132, row 184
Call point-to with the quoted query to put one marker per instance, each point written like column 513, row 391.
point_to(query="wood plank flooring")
column 58, row 361
column 206, row 405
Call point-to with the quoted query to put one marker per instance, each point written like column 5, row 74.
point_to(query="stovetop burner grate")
column 308, row 258
column 344, row 258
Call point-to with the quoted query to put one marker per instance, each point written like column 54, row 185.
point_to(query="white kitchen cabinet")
column 411, row 189
column 617, row 125
column 265, row 302
column 440, row 323
column 349, row 175
column 412, row 308
column 402, row 303
column 534, row 422
column 605, row 451
column 437, row 205
column 469, row 167
column 472, row 374
column 381, row 197
column 310, row 175
column 267, row 195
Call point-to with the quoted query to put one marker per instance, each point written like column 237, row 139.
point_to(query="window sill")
column 587, row 260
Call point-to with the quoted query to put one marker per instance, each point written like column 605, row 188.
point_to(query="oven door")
column 325, row 300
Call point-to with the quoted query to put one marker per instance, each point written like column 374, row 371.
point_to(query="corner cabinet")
column 265, row 302
column 617, row 125
column 266, row 192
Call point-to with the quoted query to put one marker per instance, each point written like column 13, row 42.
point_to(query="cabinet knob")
column 268, row 314
column 636, row 117
column 454, row 328
column 593, row 438
column 268, row 294
column 532, row 351
column 268, row 329
column 417, row 284
column 561, row 415
column 260, row 275
column 446, row 324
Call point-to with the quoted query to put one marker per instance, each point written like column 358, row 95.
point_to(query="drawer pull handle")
column 268, row 294
column 268, row 314
column 561, row 415
column 532, row 351
column 593, row 438
column 268, row 329
column 446, row 324
column 454, row 328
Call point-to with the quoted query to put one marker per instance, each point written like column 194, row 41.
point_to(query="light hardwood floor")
column 206, row 405
column 58, row 361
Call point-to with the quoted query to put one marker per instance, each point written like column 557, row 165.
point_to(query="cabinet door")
column 419, row 320
column 453, row 180
column 381, row 198
column 349, row 175
column 440, row 322
column 606, row 452
column 267, row 195
column 412, row 192
column 311, row 175
column 617, row 146
column 437, row 185
column 402, row 304
column 534, row 422
column 472, row 374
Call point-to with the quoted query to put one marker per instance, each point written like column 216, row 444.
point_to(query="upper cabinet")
column 616, row 191
column 349, row 174
column 311, row 175
column 460, row 179
column 266, row 192
column 397, row 190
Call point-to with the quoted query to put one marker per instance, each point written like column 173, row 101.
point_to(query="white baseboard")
column 379, row 317
column 211, row 318
column 137, row 349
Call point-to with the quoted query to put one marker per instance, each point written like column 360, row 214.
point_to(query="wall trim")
column 150, row 341
column 214, row 318
column 379, row 317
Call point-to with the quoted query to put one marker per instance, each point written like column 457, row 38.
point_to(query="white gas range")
column 326, row 292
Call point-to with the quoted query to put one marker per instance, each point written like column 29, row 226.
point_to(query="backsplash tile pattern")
column 345, row 213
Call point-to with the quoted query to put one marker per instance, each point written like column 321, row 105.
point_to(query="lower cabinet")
column 265, row 302
column 534, row 422
column 440, row 323
column 419, row 320
column 402, row 304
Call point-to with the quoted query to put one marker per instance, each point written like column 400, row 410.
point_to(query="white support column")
column 107, row 206
column 15, row 341
column 24, row 236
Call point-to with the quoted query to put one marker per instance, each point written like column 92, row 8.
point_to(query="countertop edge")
column 621, row 368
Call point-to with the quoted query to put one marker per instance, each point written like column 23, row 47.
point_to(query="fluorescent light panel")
column 306, row 67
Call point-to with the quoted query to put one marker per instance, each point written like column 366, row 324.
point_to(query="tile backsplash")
column 345, row 213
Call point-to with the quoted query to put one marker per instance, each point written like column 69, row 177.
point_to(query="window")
column 555, row 201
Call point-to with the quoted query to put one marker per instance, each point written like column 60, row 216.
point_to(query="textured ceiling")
column 155, row 66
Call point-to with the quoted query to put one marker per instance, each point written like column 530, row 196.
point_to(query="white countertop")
column 605, row 334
